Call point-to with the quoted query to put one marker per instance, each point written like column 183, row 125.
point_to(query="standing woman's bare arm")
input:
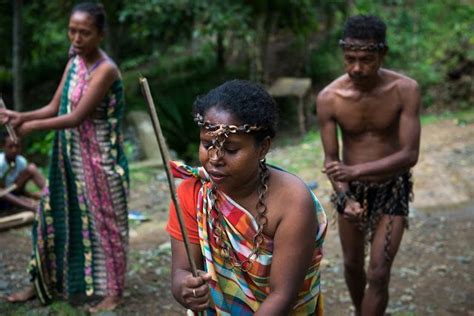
column 49, row 110
column 100, row 84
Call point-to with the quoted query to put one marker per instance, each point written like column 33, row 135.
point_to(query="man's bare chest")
column 368, row 115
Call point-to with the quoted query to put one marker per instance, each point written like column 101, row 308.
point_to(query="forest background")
column 186, row 47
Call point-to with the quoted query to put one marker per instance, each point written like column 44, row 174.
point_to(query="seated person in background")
column 15, row 169
column 256, row 230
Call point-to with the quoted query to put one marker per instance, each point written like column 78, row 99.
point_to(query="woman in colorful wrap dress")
column 80, row 235
column 256, row 231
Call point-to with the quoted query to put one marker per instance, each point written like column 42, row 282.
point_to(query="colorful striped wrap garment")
column 80, row 234
column 234, row 291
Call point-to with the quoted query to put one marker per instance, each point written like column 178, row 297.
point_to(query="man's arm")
column 328, row 130
column 409, row 138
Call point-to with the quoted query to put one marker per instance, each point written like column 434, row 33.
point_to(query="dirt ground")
column 432, row 274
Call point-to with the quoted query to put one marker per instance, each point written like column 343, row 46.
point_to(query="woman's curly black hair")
column 247, row 101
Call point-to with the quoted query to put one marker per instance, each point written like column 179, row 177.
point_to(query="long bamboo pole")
column 10, row 130
column 165, row 156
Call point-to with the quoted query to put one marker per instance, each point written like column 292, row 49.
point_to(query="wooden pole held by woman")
column 166, row 158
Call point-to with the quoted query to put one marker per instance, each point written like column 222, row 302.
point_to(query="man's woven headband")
column 368, row 47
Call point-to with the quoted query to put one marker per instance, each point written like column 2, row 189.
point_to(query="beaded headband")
column 368, row 47
column 221, row 132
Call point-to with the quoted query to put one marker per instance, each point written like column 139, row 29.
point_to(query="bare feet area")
column 22, row 296
column 107, row 304
column 432, row 274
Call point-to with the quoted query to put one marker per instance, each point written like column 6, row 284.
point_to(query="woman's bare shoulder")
column 109, row 69
column 289, row 190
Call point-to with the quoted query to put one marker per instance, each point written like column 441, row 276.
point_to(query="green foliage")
column 325, row 62
column 143, row 175
column 301, row 155
column 419, row 45
column 5, row 78
column 156, row 24
column 186, row 47
column 460, row 117
column 175, row 82
column 65, row 309
column 5, row 56
column 56, row 308
column 37, row 146
column 214, row 17
column 325, row 59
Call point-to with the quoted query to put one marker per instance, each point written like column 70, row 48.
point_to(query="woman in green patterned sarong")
column 80, row 234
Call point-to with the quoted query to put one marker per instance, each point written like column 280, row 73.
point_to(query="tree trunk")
column 113, row 29
column 220, row 51
column 257, row 70
column 350, row 5
column 17, row 60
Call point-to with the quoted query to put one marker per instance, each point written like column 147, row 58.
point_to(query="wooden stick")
column 8, row 125
column 10, row 221
column 5, row 191
column 166, row 158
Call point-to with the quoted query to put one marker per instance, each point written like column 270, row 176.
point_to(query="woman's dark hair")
column 247, row 101
column 365, row 27
column 95, row 10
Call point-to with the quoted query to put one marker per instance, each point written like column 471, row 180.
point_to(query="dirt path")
column 432, row 275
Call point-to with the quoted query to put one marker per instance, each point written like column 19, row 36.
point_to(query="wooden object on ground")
column 5, row 191
column 293, row 87
column 15, row 220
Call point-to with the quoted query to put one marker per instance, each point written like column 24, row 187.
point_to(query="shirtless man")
column 377, row 111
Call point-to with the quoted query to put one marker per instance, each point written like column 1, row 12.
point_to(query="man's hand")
column 195, row 291
column 340, row 172
column 353, row 211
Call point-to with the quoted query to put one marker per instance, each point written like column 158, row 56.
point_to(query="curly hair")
column 365, row 27
column 95, row 10
column 247, row 101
